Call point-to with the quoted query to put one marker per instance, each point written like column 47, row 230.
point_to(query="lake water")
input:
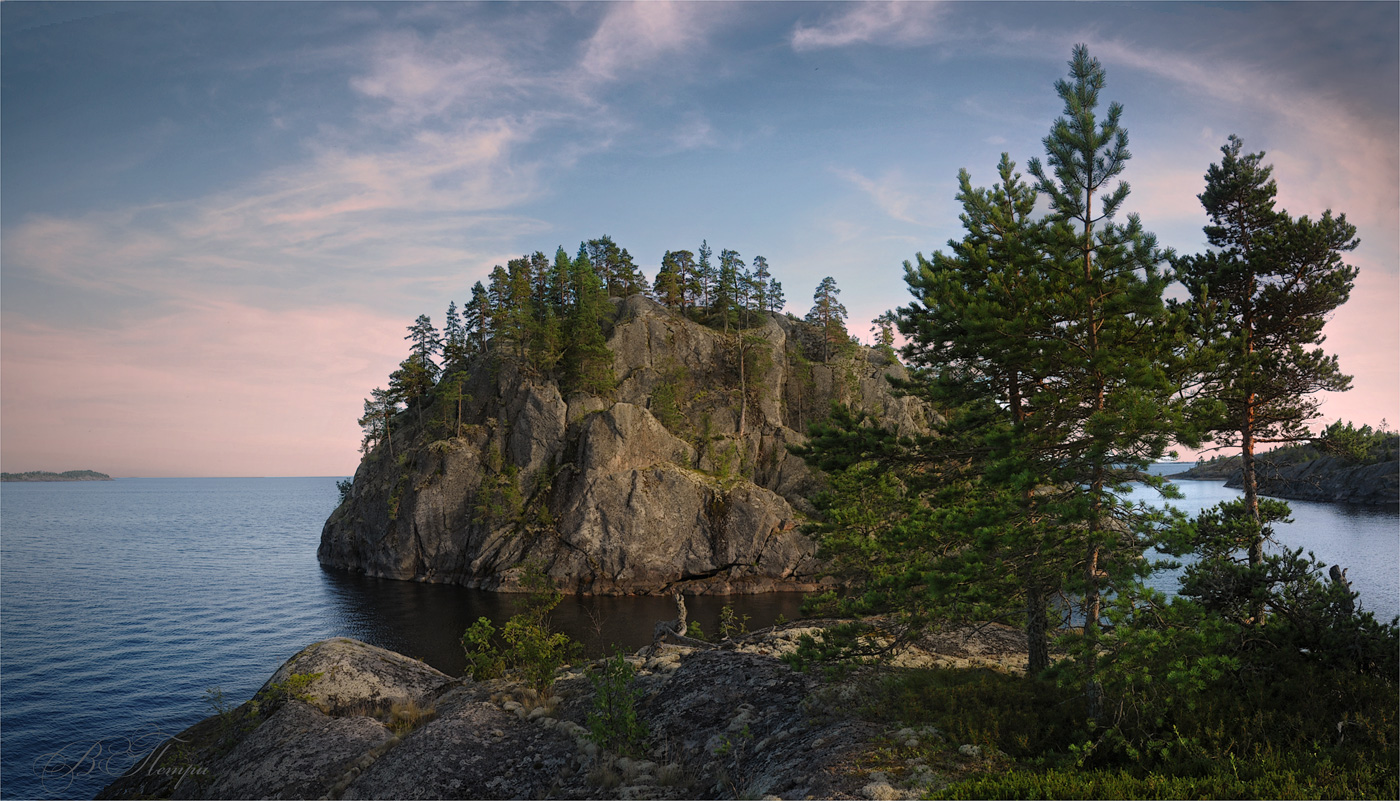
column 121, row 602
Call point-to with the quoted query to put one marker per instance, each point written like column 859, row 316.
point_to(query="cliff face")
column 651, row 487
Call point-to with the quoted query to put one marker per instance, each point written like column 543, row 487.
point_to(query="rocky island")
column 68, row 475
column 680, row 476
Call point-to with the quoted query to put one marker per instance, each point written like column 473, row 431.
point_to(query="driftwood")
column 674, row 630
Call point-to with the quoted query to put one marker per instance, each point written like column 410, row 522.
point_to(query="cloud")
column 459, row 70
column 633, row 36
column 898, row 197
column 900, row 23
column 413, row 212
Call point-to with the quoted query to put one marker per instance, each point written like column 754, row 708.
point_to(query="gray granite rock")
column 638, row 492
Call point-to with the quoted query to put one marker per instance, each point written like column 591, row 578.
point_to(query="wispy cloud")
column 633, row 36
column 897, row 23
column 898, row 196
column 414, row 212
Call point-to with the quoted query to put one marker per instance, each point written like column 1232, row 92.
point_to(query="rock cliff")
column 681, row 476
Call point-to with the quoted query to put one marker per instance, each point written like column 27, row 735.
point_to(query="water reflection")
column 426, row 621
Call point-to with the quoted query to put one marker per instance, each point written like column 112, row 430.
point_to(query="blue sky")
column 216, row 220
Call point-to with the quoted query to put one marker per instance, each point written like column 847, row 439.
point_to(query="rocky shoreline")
column 343, row 719
column 1327, row 479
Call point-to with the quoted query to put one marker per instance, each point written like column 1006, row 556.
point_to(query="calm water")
column 122, row 602
column 1363, row 539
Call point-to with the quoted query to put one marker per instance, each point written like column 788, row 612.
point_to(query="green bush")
column 484, row 659
column 528, row 650
column 613, row 722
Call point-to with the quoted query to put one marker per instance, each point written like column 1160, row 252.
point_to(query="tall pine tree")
column 1113, row 381
column 1259, row 300
column 829, row 316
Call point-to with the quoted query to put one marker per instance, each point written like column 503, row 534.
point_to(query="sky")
column 218, row 220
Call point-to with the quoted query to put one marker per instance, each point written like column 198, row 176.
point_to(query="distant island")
column 44, row 475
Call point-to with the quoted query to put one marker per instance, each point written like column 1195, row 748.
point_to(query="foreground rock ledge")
column 727, row 723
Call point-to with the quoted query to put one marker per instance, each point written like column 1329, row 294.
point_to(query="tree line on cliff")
column 551, row 318
column 1049, row 345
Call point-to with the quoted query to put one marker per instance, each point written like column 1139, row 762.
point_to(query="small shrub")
column 731, row 623
column 484, row 658
column 665, row 407
column 604, row 777
column 274, row 695
column 344, row 487
column 532, row 651
column 1023, row 717
column 613, row 722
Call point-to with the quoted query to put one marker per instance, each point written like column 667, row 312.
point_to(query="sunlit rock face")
column 681, row 476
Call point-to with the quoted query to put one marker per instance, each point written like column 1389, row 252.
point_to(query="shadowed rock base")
column 342, row 719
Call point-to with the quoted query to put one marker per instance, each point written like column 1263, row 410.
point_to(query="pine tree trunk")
column 743, row 388
column 1249, row 475
column 1038, row 651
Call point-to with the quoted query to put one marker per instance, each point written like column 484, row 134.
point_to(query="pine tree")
column 476, row 319
column 882, row 329
column 982, row 342
column 687, row 277
column 829, row 316
column 587, row 360
column 498, row 297
column 627, row 276
column 759, row 281
column 774, row 296
column 603, row 255
column 705, row 276
column 521, row 317
column 561, row 293
column 426, row 343
column 726, row 293
column 380, row 408
column 454, row 338
column 1258, row 301
column 412, row 382
column 669, row 289
column 1117, row 336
